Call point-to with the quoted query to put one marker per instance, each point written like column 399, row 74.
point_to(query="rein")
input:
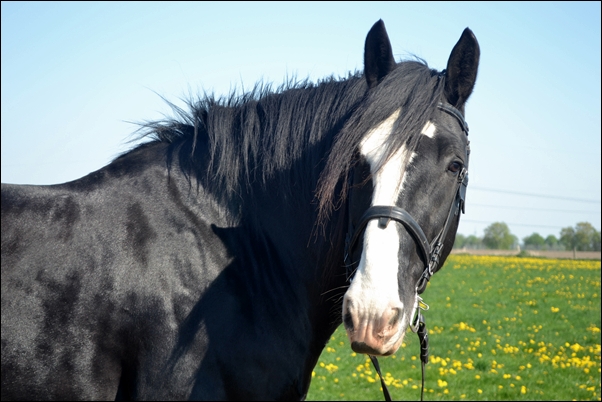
column 430, row 250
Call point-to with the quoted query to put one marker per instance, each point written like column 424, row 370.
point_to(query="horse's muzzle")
column 374, row 334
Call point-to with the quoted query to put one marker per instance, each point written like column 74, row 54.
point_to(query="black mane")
column 229, row 144
column 237, row 141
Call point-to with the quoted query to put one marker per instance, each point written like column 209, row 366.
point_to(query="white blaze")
column 375, row 282
column 429, row 129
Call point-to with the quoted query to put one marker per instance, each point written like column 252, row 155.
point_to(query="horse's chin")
column 387, row 349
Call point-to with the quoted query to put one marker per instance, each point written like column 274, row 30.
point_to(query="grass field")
column 500, row 328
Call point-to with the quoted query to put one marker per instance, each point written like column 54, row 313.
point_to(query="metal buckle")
column 419, row 305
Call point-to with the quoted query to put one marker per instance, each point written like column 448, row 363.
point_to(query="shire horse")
column 215, row 260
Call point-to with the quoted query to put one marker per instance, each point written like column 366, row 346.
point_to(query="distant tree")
column 498, row 236
column 551, row 242
column 470, row 242
column 568, row 238
column 583, row 237
column 473, row 242
column 596, row 246
column 534, row 241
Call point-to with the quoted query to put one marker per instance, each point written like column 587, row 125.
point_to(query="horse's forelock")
column 414, row 90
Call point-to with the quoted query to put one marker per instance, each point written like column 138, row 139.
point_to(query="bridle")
column 430, row 250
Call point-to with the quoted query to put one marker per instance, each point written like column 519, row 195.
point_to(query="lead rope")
column 423, row 337
column 382, row 382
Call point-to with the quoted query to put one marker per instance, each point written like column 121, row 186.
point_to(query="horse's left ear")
column 378, row 56
column 462, row 67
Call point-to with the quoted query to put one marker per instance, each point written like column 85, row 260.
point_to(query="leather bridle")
column 430, row 251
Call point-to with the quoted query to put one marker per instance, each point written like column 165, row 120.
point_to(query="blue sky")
column 75, row 75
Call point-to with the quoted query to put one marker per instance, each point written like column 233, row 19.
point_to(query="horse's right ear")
column 378, row 56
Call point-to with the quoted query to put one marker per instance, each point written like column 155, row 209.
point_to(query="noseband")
column 430, row 251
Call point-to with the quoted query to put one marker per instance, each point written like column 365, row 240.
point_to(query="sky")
column 77, row 76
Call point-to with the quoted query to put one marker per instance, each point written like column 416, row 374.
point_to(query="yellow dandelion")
column 523, row 389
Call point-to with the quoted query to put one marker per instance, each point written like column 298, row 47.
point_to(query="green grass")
column 500, row 328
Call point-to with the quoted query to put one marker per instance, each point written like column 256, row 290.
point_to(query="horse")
column 215, row 259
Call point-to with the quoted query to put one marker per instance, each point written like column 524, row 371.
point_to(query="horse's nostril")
column 348, row 321
column 396, row 316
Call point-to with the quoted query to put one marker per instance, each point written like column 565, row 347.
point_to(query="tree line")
column 582, row 237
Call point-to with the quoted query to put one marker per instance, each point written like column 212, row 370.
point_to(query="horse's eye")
column 455, row 167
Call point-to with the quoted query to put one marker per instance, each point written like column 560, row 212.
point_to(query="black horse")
column 209, row 262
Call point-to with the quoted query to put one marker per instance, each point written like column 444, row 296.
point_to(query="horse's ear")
column 462, row 67
column 378, row 56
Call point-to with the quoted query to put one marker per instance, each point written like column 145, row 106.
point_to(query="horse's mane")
column 239, row 141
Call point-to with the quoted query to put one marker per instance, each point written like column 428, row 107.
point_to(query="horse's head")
column 406, row 188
